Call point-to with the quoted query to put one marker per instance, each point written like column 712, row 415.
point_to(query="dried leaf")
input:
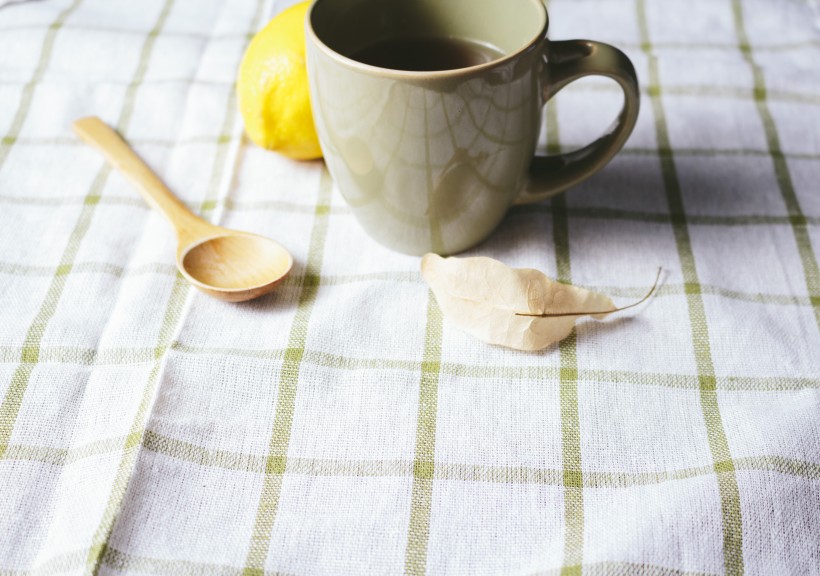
column 518, row 308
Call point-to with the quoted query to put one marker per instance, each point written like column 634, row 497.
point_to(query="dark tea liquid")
column 426, row 54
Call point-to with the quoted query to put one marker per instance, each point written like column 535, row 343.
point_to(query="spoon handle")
column 121, row 156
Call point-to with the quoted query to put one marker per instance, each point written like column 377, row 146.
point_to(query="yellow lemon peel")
column 272, row 87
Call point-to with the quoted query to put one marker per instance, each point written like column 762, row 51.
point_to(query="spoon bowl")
column 226, row 264
column 236, row 266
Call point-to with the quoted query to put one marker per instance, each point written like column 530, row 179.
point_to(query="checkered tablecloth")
column 341, row 425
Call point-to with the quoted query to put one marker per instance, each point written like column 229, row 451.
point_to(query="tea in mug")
column 426, row 54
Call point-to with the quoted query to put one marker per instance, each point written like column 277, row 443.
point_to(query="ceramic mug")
column 430, row 161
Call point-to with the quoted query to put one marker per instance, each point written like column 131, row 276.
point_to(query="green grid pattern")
column 14, row 395
column 135, row 356
column 259, row 464
column 770, row 45
column 276, row 464
column 296, row 208
column 572, row 475
column 732, row 521
column 762, row 95
column 432, row 370
column 399, row 277
column 122, row 561
column 694, row 90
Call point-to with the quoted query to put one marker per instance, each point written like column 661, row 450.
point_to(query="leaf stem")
column 595, row 313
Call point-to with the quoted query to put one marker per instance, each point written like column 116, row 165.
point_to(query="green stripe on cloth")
column 590, row 212
column 661, row 218
column 581, row 212
column 172, row 317
column 199, row 140
column 572, row 474
column 124, row 562
column 62, row 456
column 120, row 560
column 682, row 45
column 56, row 201
column 424, row 465
column 811, row 270
column 732, row 522
column 275, row 204
column 27, row 96
column 133, row 201
column 710, row 91
column 775, row 46
column 119, row 30
column 685, row 90
column 294, row 281
column 322, row 467
column 88, row 268
column 277, row 457
column 88, row 357
column 225, row 137
column 13, row 399
column 714, row 152
column 133, row 441
column 131, row 446
column 82, row 357
column 135, row 142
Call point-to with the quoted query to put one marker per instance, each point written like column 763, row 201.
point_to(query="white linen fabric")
column 340, row 425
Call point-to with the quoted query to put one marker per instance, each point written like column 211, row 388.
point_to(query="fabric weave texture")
column 340, row 425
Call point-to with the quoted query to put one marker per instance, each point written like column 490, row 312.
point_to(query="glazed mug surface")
column 430, row 161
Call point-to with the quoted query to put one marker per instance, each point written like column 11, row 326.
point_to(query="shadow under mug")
column 432, row 161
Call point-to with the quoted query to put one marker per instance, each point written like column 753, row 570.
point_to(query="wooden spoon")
column 226, row 264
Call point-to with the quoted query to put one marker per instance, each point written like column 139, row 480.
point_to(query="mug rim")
column 423, row 74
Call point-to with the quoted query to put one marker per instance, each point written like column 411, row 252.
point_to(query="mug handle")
column 565, row 62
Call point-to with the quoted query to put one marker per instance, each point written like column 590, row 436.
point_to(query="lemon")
column 273, row 88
